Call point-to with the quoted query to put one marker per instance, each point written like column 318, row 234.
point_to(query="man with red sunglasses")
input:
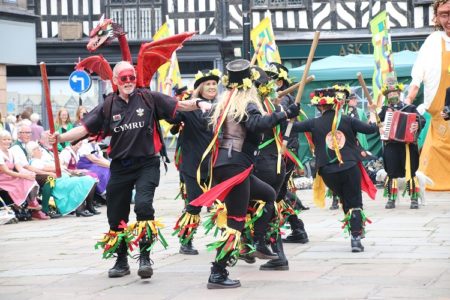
column 135, row 149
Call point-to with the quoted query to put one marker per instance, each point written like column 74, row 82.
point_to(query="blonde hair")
column 78, row 113
column 238, row 105
column 58, row 121
column 197, row 93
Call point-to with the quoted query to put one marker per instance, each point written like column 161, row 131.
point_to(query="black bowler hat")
column 262, row 79
column 278, row 71
column 205, row 75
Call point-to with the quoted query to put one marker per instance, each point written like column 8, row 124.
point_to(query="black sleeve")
column 164, row 105
column 358, row 126
column 93, row 120
column 303, row 126
column 382, row 113
column 256, row 122
column 285, row 102
column 177, row 119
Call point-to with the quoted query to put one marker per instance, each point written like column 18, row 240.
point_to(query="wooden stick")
column 51, row 124
column 367, row 94
column 294, row 87
column 258, row 48
column 364, row 87
column 301, row 87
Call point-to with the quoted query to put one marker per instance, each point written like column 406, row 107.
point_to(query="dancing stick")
column 367, row 94
column 294, row 87
column 50, row 116
column 301, row 87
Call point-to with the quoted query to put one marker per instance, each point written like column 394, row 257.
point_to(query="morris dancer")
column 136, row 144
column 239, row 116
column 338, row 159
column 196, row 137
column 395, row 154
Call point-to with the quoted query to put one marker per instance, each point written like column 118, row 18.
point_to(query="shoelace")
column 138, row 256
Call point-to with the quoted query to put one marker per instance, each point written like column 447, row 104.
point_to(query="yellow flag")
column 269, row 51
column 170, row 68
column 382, row 51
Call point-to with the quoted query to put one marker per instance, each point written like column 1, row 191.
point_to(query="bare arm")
column 73, row 134
column 4, row 169
column 412, row 93
column 193, row 104
column 98, row 160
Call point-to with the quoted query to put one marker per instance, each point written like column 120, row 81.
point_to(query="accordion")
column 397, row 126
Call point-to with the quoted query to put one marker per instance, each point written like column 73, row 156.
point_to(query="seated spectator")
column 92, row 159
column 69, row 193
column 20, row 185
column 36, row 129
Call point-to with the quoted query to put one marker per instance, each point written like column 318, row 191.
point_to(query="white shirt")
column 89, row 148
column 19, row 156
column 66, row 155
column 427, row 68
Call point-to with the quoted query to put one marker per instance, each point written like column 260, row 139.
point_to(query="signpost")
column 80, row 82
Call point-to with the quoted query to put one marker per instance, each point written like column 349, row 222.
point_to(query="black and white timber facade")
column 344, row 26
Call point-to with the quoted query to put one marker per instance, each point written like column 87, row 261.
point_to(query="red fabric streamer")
column 366, row 183
column 221, row 190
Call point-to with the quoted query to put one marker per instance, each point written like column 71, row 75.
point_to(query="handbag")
column 6, row 213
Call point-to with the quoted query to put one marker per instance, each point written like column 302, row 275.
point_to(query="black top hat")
column 238, row 70
column 205, row 75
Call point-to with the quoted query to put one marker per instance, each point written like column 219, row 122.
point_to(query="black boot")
column 298, row 234
column 145, row 263
column 219, row 279
column 356, row 227
column 390, row 204
column 261, row 249
column 356, row 244
column 188, row 249
column 91, row 208
column 81, row 211
column 121, row 268
column 335, row 203
column 279, row 264
column 414, row 204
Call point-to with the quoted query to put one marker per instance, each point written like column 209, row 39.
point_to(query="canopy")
column 338, row 68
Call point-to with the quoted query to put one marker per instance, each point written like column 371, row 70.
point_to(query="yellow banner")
column 263, row 34
column 382, row 52
column 168, row 70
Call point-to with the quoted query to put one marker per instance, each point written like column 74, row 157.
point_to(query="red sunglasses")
column 127, row 78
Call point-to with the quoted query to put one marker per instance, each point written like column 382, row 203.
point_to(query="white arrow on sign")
column 75, row 78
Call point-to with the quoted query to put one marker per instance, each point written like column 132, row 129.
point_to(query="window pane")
column 259, row 2
column 145, row 18
column 130, row 23
column 116, row 15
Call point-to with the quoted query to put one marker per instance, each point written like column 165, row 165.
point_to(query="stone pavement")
column 406, row 257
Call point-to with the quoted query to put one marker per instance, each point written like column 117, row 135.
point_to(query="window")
column 137, row 17
column 277, row 3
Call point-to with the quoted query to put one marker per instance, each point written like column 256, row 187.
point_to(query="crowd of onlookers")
column 28, row 181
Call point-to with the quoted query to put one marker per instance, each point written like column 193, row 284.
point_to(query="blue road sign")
column 80, row 81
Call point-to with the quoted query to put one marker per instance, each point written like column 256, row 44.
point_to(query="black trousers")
column 143, row 173
column 290, row 166
column 193, row 191
column 347, row 185
column 394, row 159
column 238, row 199
column 266, row 170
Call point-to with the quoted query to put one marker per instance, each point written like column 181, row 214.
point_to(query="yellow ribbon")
column 333, row 135
column 211, row 145
column 407, row 164
column 319, row 191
